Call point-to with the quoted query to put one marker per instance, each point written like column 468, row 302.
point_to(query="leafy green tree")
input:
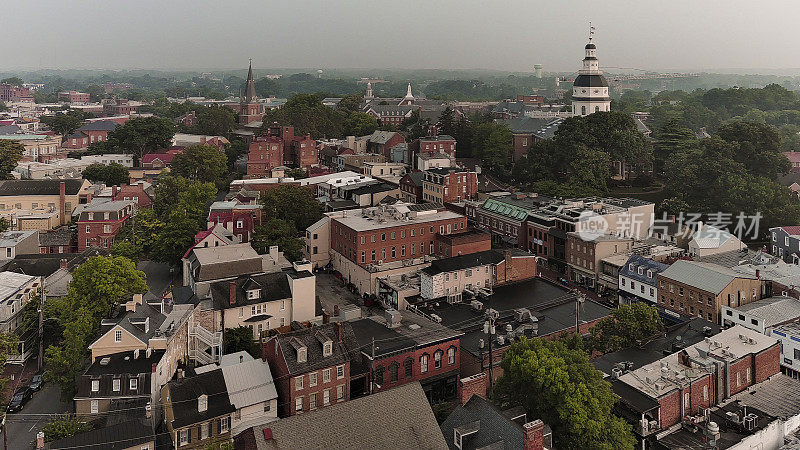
column 127, row 249
column 350, row 103
column 281, row 233
column 673, row 206
column 626, row 326
column 10, row 154
column 203, row 163
column 171, row 190
column 447, row 122
column 65, row 360
column 3, row 107
column 177, row 235
column 100, row 282
column 8, row 347
column 360, row 124
column 14, row 81
column 113, row 174
column 757, row 146
column 292, row 204
column 65, row 123
column 308, row 116
column 559, row 385
column 215, row 120
column 142, row 135
column 671, row 138
column 60, row 427
column 241, row 339
column 234, row 151
column 4, row 224
column 493, row 144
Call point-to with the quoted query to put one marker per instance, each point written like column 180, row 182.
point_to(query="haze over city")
column 447, row 34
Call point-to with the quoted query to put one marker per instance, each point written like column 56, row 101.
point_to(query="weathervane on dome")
column 591, row 32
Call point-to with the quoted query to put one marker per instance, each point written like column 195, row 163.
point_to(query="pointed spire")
column 408, row 93
column 250, row 87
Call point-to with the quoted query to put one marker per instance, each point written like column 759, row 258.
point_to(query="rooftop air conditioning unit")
column 476, row 305
column 616, row 372
column 750, row 422
column 436, row 318
column 501, row 339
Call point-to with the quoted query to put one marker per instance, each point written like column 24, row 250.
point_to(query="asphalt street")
column 23, row 426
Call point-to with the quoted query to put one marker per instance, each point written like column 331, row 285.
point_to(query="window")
column 437, row 359
column 94, row 407
column 738, row 379
column 184, row 436
column 298, row 383
column 312, row 401
column 340, row 392
column 326, row 376
column 88, row 228
column 225, row 424
column 394, row 370
column 312, row 379
column 298, row 404
column 747, row 375
column 118, row 336
column 326, row 397
column 705, row 392
column 339, row 372
column 754, row 322
column 408, row 368
column 423, row 363
column 115, row 384
column 451, row 356
column 204, row 431
column 95, row 385
column 283, row 306
column 134, row 383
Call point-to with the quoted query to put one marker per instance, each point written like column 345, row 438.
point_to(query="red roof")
column 793, row 156
column 166, row 158
column 792, row 230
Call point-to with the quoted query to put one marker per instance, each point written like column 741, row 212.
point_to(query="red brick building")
column 264, row 154
column 76, row 141
column 99, row 224
column 409, row 347
column 237, row 218
column 118, row 107
column 381, row 142
column 10, row 93
column 311, row 367
column 140, row 192
column 74, row 97
column 532, row 99
column 472, row 241
column 160, row 160
column 700, row 376
column 298, row 151
column 97, row 131
column 388, row 234
column 434, row 144
column 411, row 187
column 449, row 185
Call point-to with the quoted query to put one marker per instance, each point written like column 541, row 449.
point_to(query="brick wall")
column 416, row 368
column 670, row 409
column 767, row 363
column 472, row 385
column 519, row 268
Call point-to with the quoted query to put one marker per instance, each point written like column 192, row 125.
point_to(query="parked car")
column 36, row 383
column 19, row 399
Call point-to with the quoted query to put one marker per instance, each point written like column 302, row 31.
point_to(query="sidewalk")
column 18, row 376
column 554, row 277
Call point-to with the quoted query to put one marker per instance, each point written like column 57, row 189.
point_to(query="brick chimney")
column 62, row 203
column 509, row 265
column 114, row 192
column 63, row 263
column 232, row 292
column 337, row 330
column 472, row 385
column 534, row 435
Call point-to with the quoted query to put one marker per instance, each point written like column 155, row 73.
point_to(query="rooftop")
column 395, row 215
column 707, row 277
column 184, row 394
column 773, row 310
column 39, row 187
column 467, row 261
column 354, row 424
column 12, row 238
column 414, row 331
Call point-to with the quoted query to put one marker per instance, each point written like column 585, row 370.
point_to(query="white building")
column 762, row 315
column 15, row 291
column 590, row 89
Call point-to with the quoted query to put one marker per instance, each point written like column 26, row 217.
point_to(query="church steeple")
column 250, row 86
column 369, row 95
column 409, row 98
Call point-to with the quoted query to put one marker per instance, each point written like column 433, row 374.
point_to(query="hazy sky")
column 459, row 34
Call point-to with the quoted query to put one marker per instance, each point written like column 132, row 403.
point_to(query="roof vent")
column 105, row 361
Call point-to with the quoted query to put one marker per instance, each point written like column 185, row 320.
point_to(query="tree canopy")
column 293, row 204
column 10, row 154
column 241, row 339
column 281, row 233
column 560, row 386
column 64, row 123
column 139, row 136
column 626, row 326
column 203, row 163
column 113, row 174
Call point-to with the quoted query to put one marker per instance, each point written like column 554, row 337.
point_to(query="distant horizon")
column 676, row 36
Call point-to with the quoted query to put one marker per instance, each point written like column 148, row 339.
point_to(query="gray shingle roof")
column 708, row 277
column 773, row 310
column 492, row 425
column 39, row 187
column 404, row 420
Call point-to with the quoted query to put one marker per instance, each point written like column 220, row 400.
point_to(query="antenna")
column 591, row 31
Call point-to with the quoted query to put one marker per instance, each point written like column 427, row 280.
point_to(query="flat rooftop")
column 552, row 305
column 358, row 221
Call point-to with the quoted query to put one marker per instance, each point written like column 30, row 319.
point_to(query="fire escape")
column 205, row 347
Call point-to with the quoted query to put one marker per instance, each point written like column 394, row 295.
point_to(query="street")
column 23, row 426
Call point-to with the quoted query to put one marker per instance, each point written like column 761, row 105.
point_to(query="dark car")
column 19, row 399
column 36, row 383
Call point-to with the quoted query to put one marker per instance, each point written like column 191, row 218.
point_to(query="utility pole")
column 578, row 302
column 43, row 296
column 489, row 329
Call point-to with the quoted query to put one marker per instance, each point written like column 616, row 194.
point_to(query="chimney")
column 62, row 203
column 40, row 440
column 267, row 434
column 472, row 385
column 241, row 359
column 114, row 192
column 336, row 310
column 232, row 292
column 148, row 410
column 180, row 373
column 153, row 368
column 534, row 435
column 63, row 263
column 509, row 265
column 337, row 330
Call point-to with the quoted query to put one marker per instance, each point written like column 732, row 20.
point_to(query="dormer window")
column 649, row 274
column 253, row 294
column 641, row 271
column 95, row 385
column 327, row 349
column 302, row 355
column 116, row 384
column 630, row 267
column 202, row 403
